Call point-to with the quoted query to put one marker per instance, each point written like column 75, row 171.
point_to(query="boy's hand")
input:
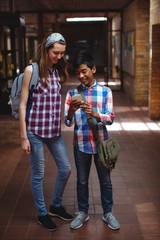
column 74, row 105
column 87, row 108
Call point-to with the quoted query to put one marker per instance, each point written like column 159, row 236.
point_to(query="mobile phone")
column 77, row 97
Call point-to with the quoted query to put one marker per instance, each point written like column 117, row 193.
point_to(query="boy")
column 99, row 107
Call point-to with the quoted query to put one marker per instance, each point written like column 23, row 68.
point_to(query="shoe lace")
column 109, row 215
column 79, row 215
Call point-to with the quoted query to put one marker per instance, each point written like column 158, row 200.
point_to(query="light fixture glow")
column 86, row 19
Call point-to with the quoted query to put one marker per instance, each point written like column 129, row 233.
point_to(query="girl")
column 43, row 126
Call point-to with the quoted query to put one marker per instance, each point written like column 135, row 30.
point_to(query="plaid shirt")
column 100, row 98
column 45, row 114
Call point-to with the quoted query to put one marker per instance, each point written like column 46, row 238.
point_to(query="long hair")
column 42, row 60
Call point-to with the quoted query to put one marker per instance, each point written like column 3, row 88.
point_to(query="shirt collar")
column 91, row 87
column 50, row 71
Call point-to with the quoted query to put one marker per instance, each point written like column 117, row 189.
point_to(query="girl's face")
column 56, row 53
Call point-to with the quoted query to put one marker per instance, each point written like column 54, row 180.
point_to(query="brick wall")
column 154, row 12
column 142, row 53
column 136, row 18
column 154, row 82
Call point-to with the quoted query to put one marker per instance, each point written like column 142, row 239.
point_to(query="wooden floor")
column 136, row 185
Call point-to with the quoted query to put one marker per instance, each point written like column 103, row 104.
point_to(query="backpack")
column 14, row 98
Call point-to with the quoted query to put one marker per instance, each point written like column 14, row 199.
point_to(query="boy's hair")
column 83, row 58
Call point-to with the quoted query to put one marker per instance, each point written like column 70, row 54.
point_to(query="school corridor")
column 136, row 184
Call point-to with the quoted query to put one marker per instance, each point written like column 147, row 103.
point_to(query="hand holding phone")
column 77, row 97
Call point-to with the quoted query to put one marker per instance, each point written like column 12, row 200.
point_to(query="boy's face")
column 86, row 75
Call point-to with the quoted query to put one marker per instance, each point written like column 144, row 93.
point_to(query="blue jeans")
column 83, row 165
column 59, row 153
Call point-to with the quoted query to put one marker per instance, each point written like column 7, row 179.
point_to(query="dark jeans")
column 83, row 164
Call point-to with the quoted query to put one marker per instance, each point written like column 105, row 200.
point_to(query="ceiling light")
column 86, row 19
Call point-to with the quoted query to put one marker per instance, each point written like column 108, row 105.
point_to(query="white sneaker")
column 78, row 221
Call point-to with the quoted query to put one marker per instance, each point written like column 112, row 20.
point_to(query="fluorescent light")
column 86, row 19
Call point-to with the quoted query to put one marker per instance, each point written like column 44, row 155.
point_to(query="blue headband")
column 54, row 37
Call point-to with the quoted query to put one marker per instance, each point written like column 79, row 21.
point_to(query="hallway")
column 136, row 185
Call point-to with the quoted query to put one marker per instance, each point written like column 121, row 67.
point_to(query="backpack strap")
column 35, row 75
column 33, row 82
column 89, row 118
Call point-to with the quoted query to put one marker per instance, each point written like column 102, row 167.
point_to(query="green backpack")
column 108, row 151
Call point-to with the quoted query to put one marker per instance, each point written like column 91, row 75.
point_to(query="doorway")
column 103, row 40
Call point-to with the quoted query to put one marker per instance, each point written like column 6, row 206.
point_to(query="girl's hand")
column 25, row 145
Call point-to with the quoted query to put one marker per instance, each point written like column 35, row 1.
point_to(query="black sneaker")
column 47, row 223
column 60, row 212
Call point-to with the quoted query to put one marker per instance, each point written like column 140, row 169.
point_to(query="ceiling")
column 71, row 5
column 28, row 6
column 58, row 10
column 68, row 8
